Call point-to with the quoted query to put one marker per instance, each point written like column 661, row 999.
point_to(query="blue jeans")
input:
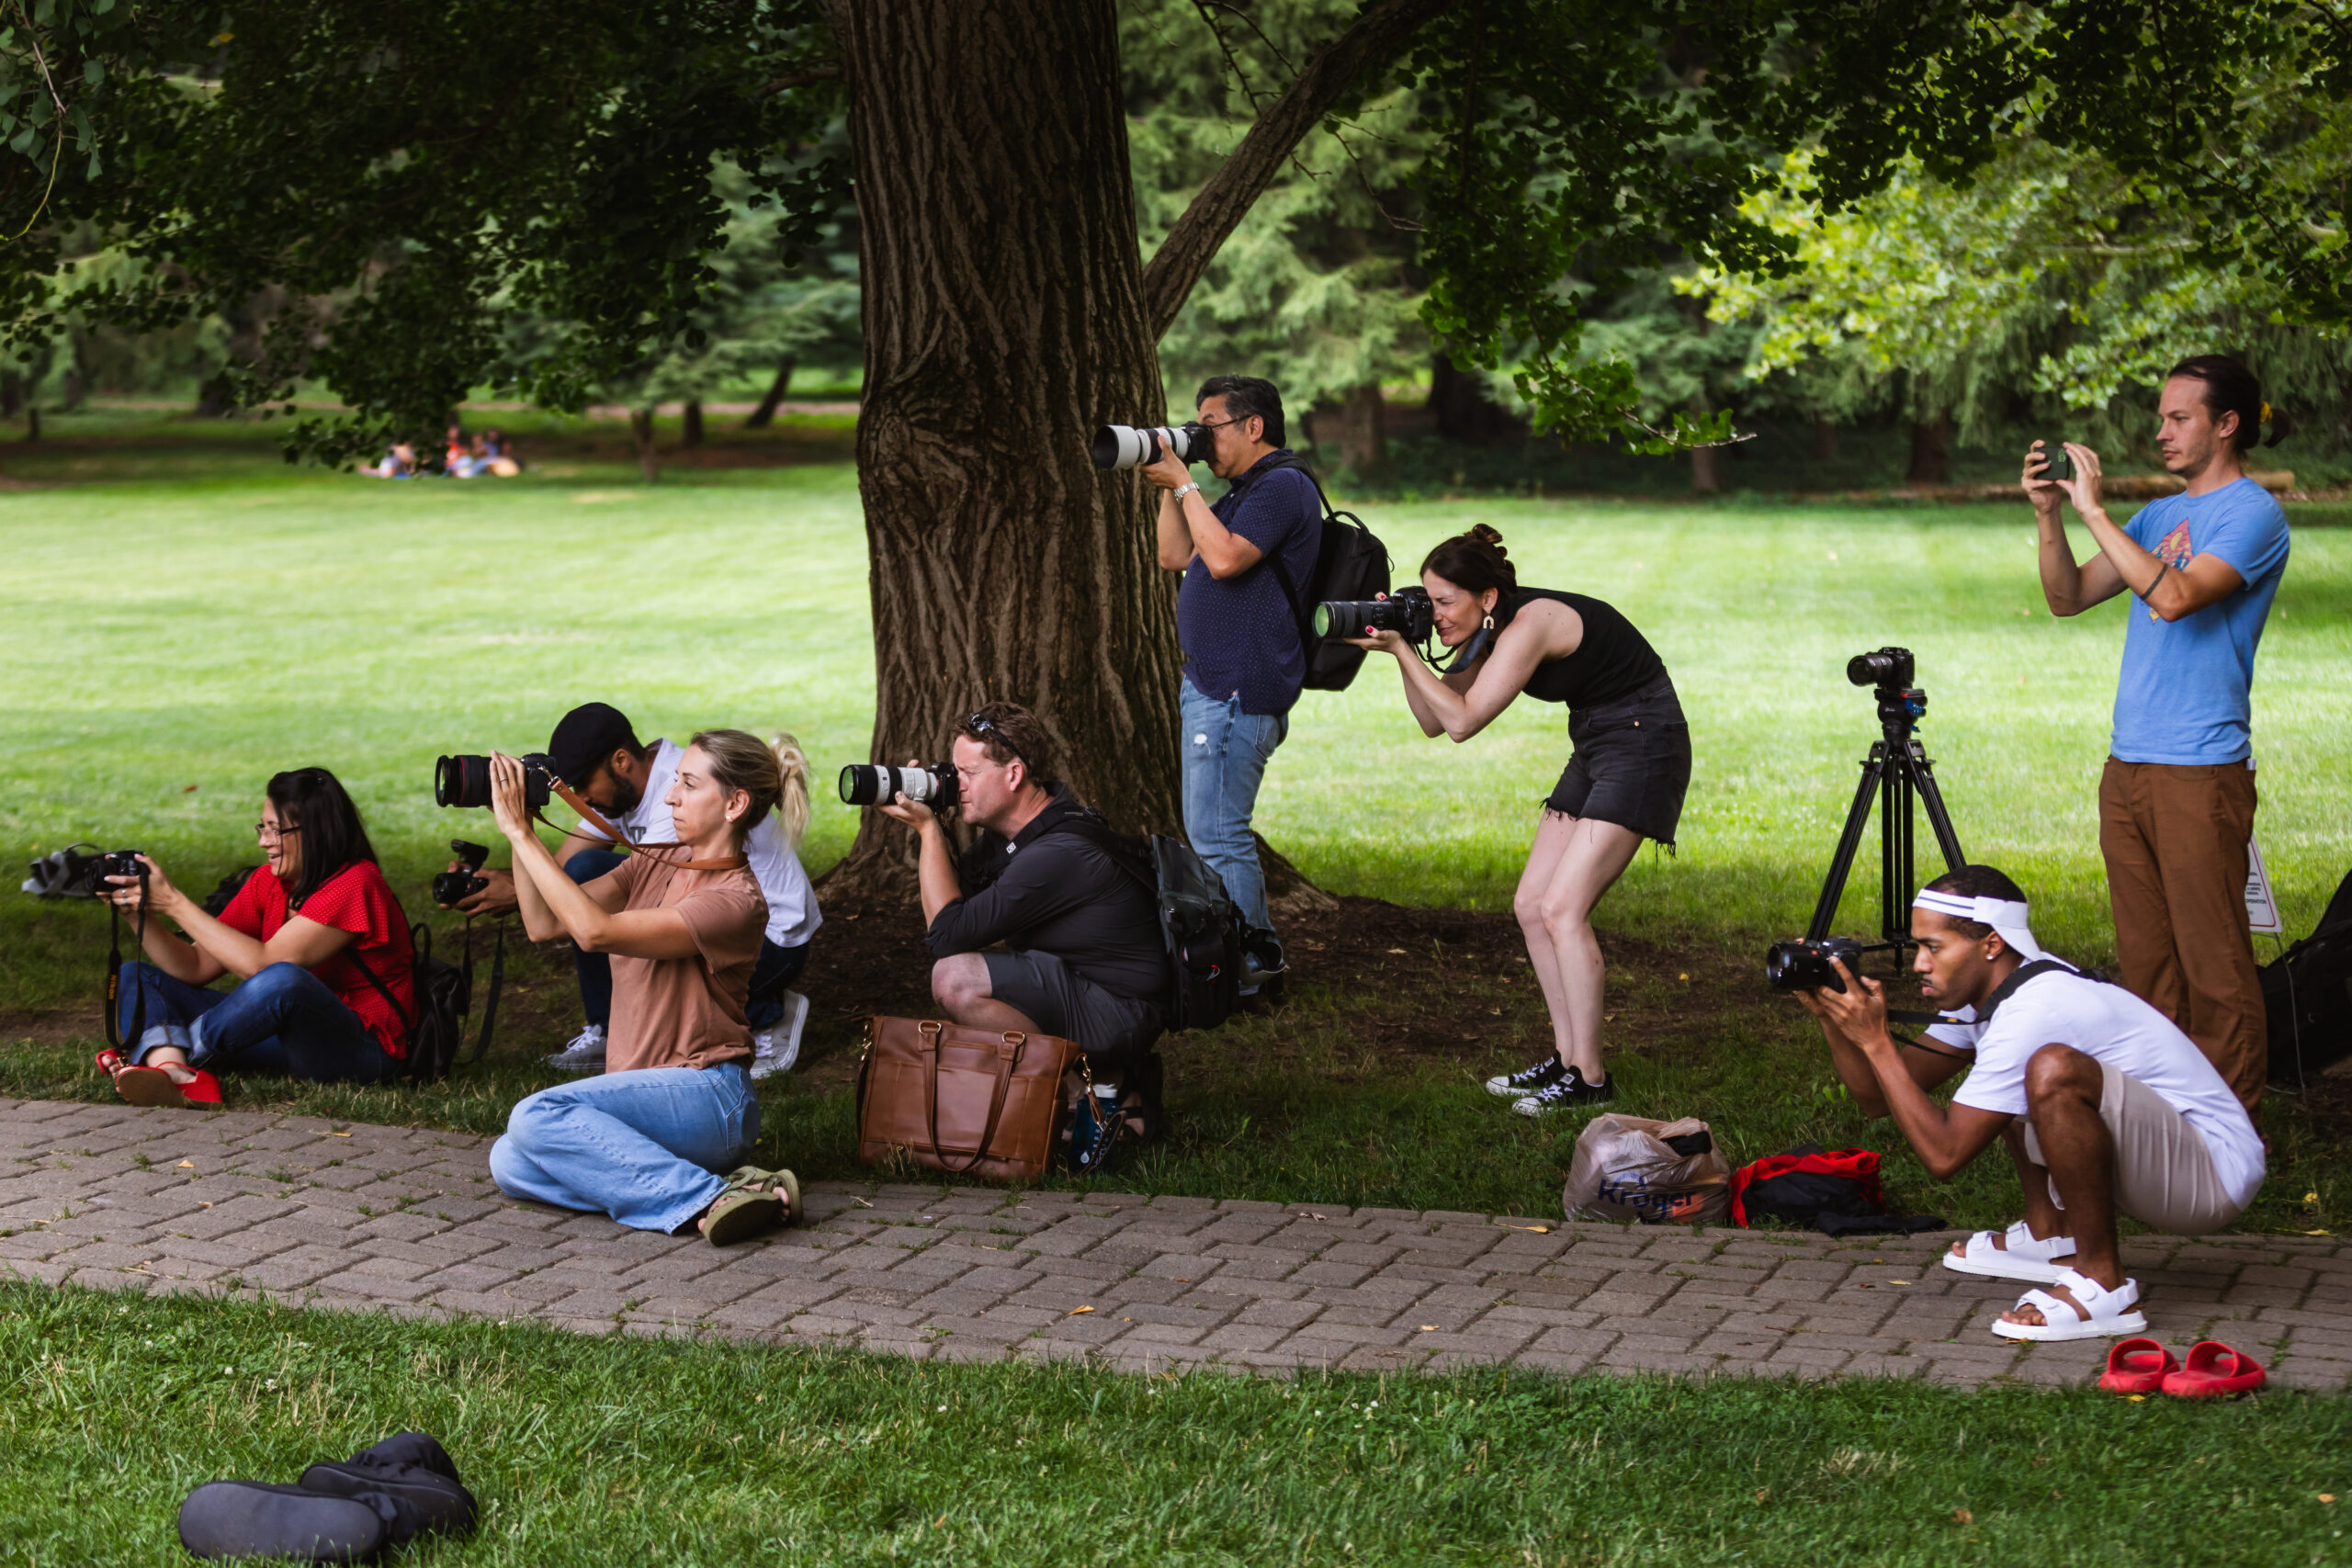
column 771, row 977
column 640, row 1147
column 1226, row 751
column 284, row 1020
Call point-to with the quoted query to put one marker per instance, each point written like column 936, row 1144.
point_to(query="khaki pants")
column 2164, row 1173
column 2175, row 842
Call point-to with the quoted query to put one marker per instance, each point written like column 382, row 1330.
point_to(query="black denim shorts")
column 1632, row 763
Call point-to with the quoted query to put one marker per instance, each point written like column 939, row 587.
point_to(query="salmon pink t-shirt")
column 355, row 900
column 686, row 1012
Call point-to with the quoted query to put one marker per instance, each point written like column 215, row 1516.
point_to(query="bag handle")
column 1008, row 1056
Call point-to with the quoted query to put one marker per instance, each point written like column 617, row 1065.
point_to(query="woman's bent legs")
column 287, row 1020
column 171, row 1005
column 1573, row 863
column 640, row 1147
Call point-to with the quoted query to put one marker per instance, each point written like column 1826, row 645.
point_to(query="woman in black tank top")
column 1625, row 781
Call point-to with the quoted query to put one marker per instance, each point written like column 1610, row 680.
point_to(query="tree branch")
column 799, row 79
column 1376, row 38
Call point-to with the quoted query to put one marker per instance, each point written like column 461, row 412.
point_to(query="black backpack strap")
column 490, row 1003
column 2020, row 975
column 408, row 1024
column 1298, row 612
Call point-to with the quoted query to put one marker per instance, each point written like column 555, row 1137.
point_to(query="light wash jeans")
column 640, row 1147
column 1225, row 752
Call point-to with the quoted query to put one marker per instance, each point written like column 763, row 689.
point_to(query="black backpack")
column 2307, row 991
column 1349, row 563
column 437, row 1034
column 1203, row 927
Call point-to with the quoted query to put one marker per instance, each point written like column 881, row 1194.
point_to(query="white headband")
column 2005, row 916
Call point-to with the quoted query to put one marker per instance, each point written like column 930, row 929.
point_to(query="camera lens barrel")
column 464, row 781
column 1132, row 447
column 874, row 783
column 1881, row 666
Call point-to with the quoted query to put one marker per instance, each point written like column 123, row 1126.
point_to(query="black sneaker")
column 228, row 1519
column 409, row 1480
column 1540, row 1073
column 1566, row 1091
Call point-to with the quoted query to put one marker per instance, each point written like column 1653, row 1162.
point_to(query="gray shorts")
column 2164, row 1173
column 1061, row 1001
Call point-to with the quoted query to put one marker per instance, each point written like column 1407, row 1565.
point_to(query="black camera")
column 871, row 784
column 465, row 781
column 449, row 887
column 1805, row 965
column 1408, row 611
column 1124, row 446
column 1885, row 667
column 2062, row 466
column 118, row 863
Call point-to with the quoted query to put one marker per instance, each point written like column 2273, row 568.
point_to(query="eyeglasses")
column 265, row 831
column 982, row 726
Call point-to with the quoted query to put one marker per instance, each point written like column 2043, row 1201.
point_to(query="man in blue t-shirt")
column 2177, row 801
column 1248, row 563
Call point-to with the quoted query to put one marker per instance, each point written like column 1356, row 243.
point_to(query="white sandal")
column 2023, row 1256
column 2096, row 1313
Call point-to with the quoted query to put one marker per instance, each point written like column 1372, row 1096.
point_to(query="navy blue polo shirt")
column 1240, row 636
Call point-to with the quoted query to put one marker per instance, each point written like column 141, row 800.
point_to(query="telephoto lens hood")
column 1127, row 446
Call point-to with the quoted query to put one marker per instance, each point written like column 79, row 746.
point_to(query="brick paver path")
column 406, row 1220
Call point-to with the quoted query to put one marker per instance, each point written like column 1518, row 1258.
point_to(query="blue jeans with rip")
column 643, row 1146
column 1225, row 752
column 284, row 1020
column 771, row 977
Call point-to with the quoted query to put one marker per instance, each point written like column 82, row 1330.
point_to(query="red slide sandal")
column 150, row 1087
column 2137, row 1366
column 2215, row 1371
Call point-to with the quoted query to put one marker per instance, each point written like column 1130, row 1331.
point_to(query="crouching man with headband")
column 2103, row 1102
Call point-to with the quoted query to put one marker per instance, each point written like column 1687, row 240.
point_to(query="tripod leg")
column 1922, row 773
column 1833, row 887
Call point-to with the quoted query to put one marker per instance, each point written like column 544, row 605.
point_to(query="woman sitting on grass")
column 683, row 923
column 1625, row 781
column 297, row 935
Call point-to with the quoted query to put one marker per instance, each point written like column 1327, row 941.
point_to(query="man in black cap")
column 595, row 751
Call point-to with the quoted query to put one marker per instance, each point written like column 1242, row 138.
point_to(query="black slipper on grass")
column 425, row 1498
column 226, row 1519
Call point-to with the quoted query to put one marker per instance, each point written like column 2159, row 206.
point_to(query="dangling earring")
column 1488, row 624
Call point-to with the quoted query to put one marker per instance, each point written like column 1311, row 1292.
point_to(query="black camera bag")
column 437, row 1034
column 2307, row 991
column 1349, row 563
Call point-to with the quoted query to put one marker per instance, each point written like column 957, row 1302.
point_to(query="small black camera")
column 1407, row 612
column 1883, row 667
column 1803, row 966
column 465, row 781
column 872, row 784
column 118, row 863
column 449, row 887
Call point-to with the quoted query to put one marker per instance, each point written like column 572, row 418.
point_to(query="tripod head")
column 1889, row 672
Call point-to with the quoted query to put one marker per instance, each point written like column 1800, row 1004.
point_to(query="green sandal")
column 742, row 1211
column 780, row 1184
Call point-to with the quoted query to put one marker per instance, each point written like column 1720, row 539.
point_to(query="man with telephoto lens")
column 2176, row 798
column 1084, row 958
column 1247, row 561
column 2104, row 1105
column 594, row 750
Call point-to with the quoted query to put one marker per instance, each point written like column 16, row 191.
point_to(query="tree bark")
column 1376, row 37
column 1824, row 441
column 640, row 433
column 32, row 422
column 1004, row 319
column 1463, row 411
column 691, row 422
column 1363, row 432
column 764, row 415
column 12, row 394
column 1930, row 452
column 1706, row 462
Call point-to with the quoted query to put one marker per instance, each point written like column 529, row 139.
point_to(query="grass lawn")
column 194, row 616
column 623, row 1451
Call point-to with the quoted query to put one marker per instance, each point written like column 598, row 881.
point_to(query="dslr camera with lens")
column 1407, row 612
column 449, row 887
column 1803, row 966
column 465, row 781
column 1125, row 446
column 118, row 863
column 871, row 784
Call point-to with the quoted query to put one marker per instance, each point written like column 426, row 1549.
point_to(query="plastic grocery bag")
column 1630, row 1168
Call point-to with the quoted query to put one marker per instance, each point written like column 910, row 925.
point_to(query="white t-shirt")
column 2120, row 1029
column 792, row 903
column 1957, row 1028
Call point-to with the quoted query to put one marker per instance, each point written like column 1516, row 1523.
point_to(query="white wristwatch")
column 1184, row 490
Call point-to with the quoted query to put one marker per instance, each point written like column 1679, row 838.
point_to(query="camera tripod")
column 1897, row 770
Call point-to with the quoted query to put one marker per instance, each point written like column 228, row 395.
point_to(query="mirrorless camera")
column 118, row 863
column 1803, row 966
column 1124, row 446
column 1408, row 611
column 449, row 887
column 870, row 783
column 465, row 781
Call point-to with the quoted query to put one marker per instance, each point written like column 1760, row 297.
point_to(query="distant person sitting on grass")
column 2103, row 1103
column 497, row 453
column 645, row 1142
column 398, row 463
column 302, row 935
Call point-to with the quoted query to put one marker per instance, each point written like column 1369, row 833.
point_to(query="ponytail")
column 742, row 761
column 792, row 790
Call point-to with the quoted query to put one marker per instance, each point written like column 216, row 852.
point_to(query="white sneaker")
column 584, row 1055
column 777, row 1047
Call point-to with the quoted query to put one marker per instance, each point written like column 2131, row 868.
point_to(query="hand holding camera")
column 915, row 794
column 1853, row 1005
column 1391, row 623
column 130, row 881
column 466, row 887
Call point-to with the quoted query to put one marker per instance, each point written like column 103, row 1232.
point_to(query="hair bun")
column 1487, row 535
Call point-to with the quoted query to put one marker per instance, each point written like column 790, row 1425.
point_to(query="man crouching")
column 2104, row 1104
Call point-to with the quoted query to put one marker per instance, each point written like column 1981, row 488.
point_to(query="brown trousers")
column 2175, row 839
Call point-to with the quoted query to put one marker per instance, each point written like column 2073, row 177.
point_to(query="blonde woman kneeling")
column 646, row 1142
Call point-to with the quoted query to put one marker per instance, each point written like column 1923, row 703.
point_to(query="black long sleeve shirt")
column 1059, row 893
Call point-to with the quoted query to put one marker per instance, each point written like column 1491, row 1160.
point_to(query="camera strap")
column 119, row 1038
column 596, row 819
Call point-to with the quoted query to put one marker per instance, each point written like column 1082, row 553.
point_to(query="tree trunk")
column 764, row 415
column 1824, row 441
column 1930, row 452
column 32, row 422
column 1706, row 462
column 691, row 422
column 1463, row 411
column 1004, row 319
column 12, row 394
column 640, row 431
column 1363, row 432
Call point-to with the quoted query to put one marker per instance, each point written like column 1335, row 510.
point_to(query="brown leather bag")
column 979, row 1102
